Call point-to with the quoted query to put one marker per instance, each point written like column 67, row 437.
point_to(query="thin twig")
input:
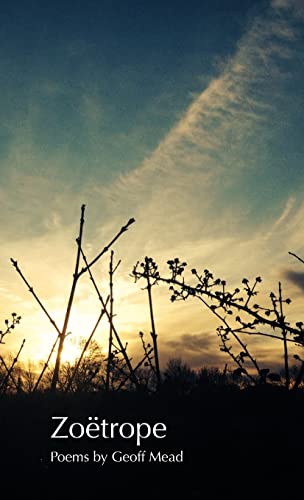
column 3, row 385
column 106, row 248
column 8, row 372
column 146, row 356
column 31, row 290
column 301, row 371
column 262, row 334
column 232, row 333
column 282, row 319
column 110, row 322
column 83, row 352
column 236, row 359
column 250, row 294
column 153, row 330
column 193, row 292
column 46, row 364
column 297, row 257
column 70, row 303
column 121, row 347
column 145, row 348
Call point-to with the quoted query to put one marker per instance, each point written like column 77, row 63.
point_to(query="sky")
column 185, row 116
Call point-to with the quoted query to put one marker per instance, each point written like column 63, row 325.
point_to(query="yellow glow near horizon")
column 80, row 327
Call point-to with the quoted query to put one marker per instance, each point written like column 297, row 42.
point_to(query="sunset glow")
column 189, row 123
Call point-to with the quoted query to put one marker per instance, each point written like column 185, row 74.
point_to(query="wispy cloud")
column 175, row 192
column 221, row 118
column 182, row 195
column 295, row 5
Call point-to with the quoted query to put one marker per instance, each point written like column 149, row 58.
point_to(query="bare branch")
column 62, row 335
column 4, row 383
column 297, row 257
column 121, row 347
column 106, row 248
column 31, row 290
column 9, row 372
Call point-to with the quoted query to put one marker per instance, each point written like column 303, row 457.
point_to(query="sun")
column 71, row 350
column 79, row 329
column 130, row 315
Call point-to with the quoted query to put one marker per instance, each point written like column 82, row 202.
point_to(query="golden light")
column 72, row 349
column 80, row 327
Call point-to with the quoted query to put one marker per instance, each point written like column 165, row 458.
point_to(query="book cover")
column 152, row 247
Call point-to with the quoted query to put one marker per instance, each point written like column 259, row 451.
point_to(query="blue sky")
column 127, row 68
column 187, row 116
